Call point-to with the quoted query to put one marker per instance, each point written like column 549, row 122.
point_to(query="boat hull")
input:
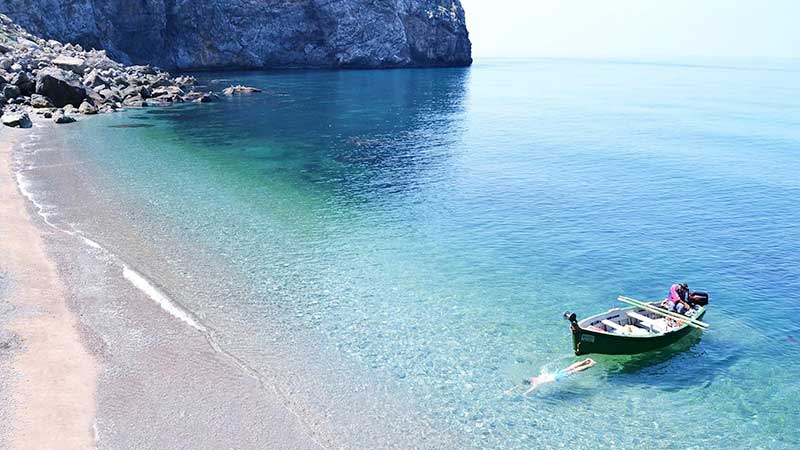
column 588, row 341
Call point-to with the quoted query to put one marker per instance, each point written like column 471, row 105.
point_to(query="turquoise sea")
column 419, row 233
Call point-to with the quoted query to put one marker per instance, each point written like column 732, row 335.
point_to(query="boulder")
column 135, row 100
column 28, row 44
column 11, row 92
column 94, row 97
column 208, row 97
column 162, row 81
column 4, row 49
column 60, row 86
column 94, row 79
column 240, row 90
column 160, row 101
column 72, row 64
column 136, row 91
column 16, row 119
column 24, row 82
column 185, row 81
column 145, row 70
column 167, row 91
column 111, row 95
column 121, row 81
column 40, row 101
column 87, row 108
column 62, row 118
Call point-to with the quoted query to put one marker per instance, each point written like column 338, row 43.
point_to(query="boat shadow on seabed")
column 687, row 363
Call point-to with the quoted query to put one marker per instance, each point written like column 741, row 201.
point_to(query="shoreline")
column 54, row 384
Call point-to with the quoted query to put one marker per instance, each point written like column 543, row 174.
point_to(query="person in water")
column 676, row 300
column 559, row 375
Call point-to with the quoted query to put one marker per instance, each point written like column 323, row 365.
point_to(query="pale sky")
column 635, row 28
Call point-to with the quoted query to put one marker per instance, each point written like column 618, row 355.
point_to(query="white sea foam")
column 25, row 188
column 141, row 283
column 91, row 243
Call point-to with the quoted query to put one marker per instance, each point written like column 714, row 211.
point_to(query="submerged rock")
column 240, row 90
column 201, row 97
column 61, row 118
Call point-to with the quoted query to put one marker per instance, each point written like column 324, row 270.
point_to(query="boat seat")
column 650, row 323
column 612, row 325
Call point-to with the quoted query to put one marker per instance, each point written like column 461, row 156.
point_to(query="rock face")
column 193, row 34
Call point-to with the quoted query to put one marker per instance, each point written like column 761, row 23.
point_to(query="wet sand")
column 52, row 375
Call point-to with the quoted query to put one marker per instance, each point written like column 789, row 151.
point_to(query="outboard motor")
column 571, row 317
column 698, row 298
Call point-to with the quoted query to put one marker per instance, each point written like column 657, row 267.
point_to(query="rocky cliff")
column 195, row 34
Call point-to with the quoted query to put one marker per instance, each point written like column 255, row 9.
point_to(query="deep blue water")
column 430, row 227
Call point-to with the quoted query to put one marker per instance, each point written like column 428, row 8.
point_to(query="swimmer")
column 535, row 382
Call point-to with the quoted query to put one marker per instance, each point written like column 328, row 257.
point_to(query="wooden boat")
column 631, row 330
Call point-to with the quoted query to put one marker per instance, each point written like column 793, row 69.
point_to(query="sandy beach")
column 52, row 391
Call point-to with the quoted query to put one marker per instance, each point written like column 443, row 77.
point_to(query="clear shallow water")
column 425, row 229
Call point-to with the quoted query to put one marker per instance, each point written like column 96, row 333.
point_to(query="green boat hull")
column 588, row 341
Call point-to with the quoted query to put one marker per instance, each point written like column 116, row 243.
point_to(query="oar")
column 676, row 315
column 690, row 320
column 663, row 312
column 667, row 315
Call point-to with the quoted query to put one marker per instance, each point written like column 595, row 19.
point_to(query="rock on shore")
column 256, row 34
column 58, row 80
